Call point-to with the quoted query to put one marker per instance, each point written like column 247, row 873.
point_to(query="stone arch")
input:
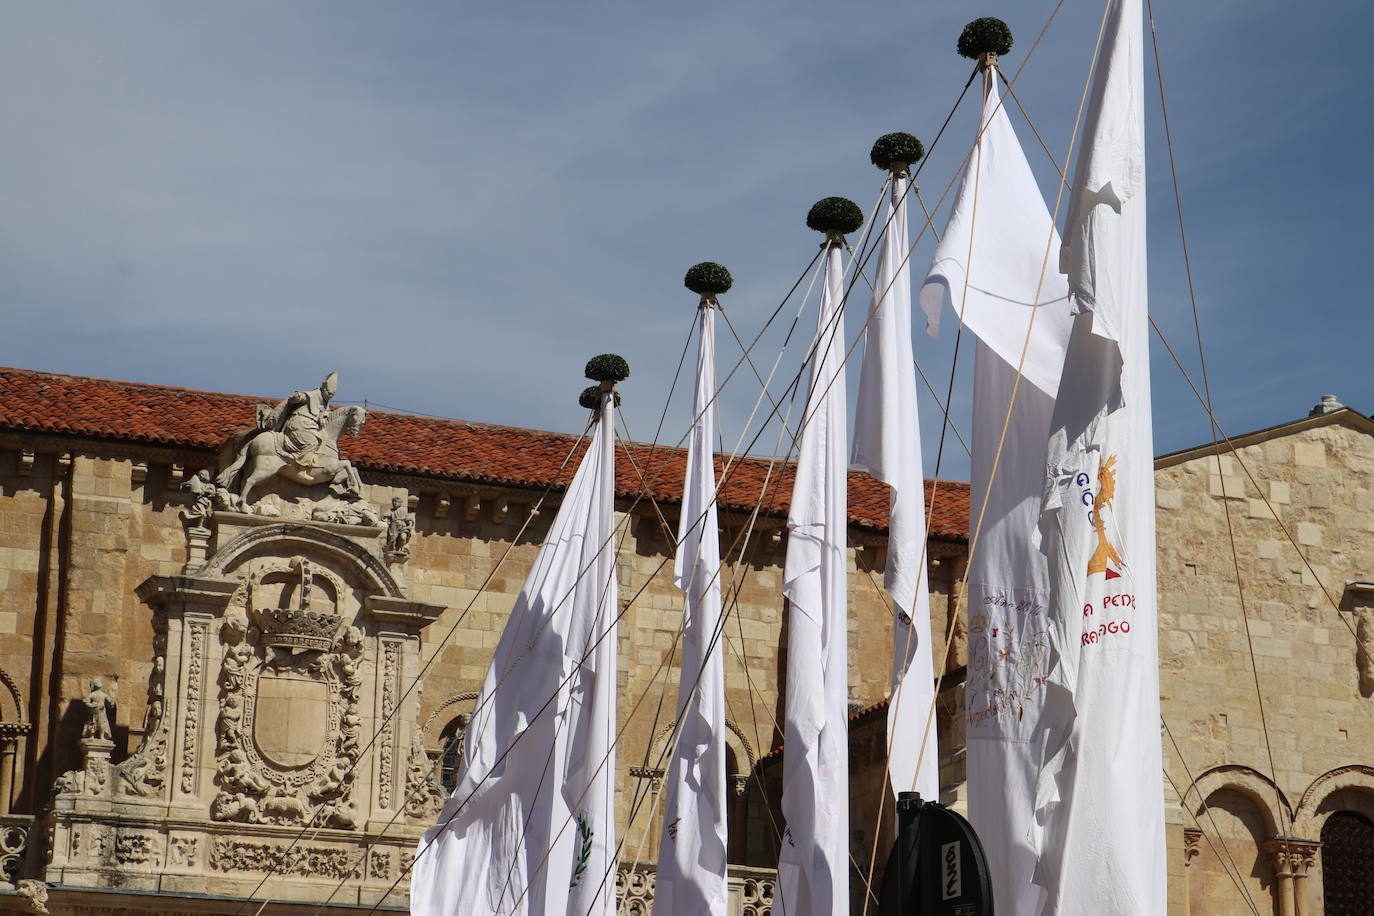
column 1349, row 788
column 302, row 537
column 13, row 710
column 735, row 741
column 439, row 744
column 1267, row 797
column 439, row 710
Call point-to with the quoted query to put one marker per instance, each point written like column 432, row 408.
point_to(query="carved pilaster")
column 386, row 742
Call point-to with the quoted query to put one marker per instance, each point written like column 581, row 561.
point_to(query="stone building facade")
column 1272, row 752
column 208, row 698
column 215, row 691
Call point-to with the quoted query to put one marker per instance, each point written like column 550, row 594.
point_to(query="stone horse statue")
column 299, row 440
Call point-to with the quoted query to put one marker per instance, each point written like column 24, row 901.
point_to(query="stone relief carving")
column 1364, row 649
column 14, row 840
column 270, row 651
column 144, row 773
column 283, row 859
column 298, row 440
column 34, row 894
column 424, row 797
column 181, row 851
column 1192, row 844
column 379, row 863
column 92, row 843
column 136, row 848
column 203, row 491
column 194, row 675
column 287, row 739
column 391, row 682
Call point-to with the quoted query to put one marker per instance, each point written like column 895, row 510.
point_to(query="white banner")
column 530, row 827
column 691, row 877
column 813, row 867
column 887, row 441
column 1100, row 795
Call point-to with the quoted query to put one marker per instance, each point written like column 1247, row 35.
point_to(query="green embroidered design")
column 584, row 849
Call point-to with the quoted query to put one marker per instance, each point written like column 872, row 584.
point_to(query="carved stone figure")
column 1364, row 649
column 202, row 490
column 98, row 707
column 34, row 894
column 399, row 528
column 298, row 439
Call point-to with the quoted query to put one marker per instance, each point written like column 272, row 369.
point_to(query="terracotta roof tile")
column 475, row 452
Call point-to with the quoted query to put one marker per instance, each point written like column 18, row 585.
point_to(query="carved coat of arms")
column 287, row 735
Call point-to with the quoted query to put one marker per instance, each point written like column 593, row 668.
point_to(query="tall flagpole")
column 813, row 865
column 691, row 876
column 1101, row 797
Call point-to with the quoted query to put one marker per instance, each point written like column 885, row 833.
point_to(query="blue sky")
column 456, row 204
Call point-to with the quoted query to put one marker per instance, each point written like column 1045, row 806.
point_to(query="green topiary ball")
column 983, row 35
column 708, row 279
column 835, row 214
column 607, row 368
column 590, row 397
column 898, row 147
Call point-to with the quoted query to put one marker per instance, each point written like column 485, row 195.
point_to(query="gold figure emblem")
column 1106, row 492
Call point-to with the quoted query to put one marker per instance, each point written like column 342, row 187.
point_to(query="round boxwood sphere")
column 708, row 279
column 983, row 35
column 590, row 397
column 898, row 147
column 607, row 368
column 835, row 214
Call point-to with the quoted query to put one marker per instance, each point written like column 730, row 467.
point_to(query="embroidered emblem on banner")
column 1106, row 556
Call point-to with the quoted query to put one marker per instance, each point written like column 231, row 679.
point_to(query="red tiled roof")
column 475, row 452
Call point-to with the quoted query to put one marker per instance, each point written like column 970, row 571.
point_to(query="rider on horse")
column 297, row 439
column 300, row 419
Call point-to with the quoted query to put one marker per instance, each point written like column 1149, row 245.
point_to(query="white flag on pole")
column 530, row 827
column 813, row 867
column 1008, row 257
column 1100, row 796
column 691, row 877
column 887, row 441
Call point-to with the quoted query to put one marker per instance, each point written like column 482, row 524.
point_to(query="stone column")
column 12, row 735
column 1292, row 858
column 1301, row 856
column 6, row 771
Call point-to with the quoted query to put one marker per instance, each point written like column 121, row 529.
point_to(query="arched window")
column 1347, row 863
column 451, row 751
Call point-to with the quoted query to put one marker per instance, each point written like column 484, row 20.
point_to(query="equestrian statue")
column 298, row 439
